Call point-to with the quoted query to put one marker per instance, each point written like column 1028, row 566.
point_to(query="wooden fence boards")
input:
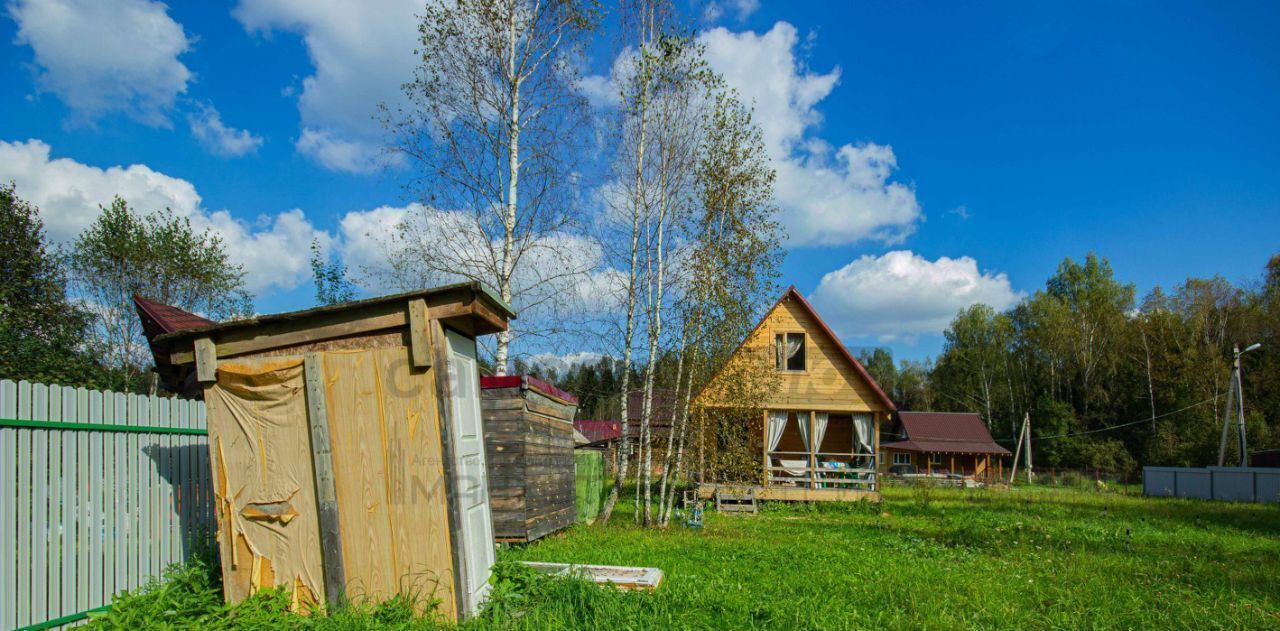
column 88, row 512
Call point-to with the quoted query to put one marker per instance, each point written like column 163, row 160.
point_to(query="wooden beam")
column 813, row 450
column 316, row 329
column 420, row 333
column 335, row 581
column 764, row 444
column 206, row 358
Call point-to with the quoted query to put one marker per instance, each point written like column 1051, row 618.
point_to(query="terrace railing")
column 817, row 470
column 99, row 492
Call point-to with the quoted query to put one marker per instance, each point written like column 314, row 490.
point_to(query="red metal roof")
column 519, row 381
column 945, row 432
column 168, row 319
column 599, row 431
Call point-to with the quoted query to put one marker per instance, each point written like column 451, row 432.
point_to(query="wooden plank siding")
column 529, row 455
column 828, row 383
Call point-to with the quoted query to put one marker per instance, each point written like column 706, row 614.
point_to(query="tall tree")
column 42, row 334
column 730, row 266
column 643, row 21
column 161, row 257
column 494, row 127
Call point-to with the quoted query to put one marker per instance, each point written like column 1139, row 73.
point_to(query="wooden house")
column 529, row 441
column 346, row 445
column 942, row 443
column 818, row 432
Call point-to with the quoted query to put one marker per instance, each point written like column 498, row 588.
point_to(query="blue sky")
column 930, row 154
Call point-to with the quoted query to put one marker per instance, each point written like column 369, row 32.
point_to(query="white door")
column 468, row 449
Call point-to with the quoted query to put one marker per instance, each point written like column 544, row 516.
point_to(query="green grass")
column 938, row 558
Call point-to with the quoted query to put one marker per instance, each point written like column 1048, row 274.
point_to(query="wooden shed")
column 347, row 448
column 528, row 429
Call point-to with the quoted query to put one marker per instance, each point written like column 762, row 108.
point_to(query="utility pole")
column 1235, row 406
column 1024, row 436
column 1029, row 471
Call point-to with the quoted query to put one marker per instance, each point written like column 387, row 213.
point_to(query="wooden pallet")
column 737, row 502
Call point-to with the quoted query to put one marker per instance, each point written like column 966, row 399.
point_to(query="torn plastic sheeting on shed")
column 262, row 475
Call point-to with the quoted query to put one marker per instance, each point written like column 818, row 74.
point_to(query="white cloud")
column 361, row 56
column 741, row 9
column 336, row 154
column 562, row 363
column 207, row 127
column 106, row 56
column 902, row 294
column 827, row 196
column 274, row 249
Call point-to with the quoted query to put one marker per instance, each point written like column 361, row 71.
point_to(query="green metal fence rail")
column 96, row 427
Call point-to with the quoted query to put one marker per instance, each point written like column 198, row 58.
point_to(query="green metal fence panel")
column 588, row 465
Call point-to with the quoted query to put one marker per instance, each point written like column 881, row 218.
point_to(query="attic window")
column 790, row 351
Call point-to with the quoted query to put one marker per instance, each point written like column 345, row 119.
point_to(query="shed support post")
column 206, row 360
column 335, row 582
column 419, row 333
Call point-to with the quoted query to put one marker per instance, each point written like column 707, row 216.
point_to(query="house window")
column 935, row 458
column 901, row 458
column 790, row 348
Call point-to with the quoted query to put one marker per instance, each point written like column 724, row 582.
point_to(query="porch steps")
column 728, row 501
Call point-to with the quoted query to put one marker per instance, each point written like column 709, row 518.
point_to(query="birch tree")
column 493, row 129
column 642, row 23
column 732, row 267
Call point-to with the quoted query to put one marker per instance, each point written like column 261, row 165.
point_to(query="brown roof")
column 945, row 432
column 599, row 431
column 166, row 318
column 159, row 319
column 527, row 382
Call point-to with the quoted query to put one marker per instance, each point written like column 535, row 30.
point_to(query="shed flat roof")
column 480, row 289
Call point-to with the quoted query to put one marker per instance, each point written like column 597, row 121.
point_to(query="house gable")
column 832, row 379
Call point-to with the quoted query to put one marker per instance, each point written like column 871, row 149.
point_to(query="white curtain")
column 862, row 434
column 862, row 438
column 786, row 349
column 802, row 419
column 777, row 423
column 819, row 430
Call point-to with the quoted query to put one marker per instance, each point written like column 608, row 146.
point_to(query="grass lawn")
column 945, row 558
column 1029, row 559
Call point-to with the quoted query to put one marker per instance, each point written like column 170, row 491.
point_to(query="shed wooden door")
column 468, row 442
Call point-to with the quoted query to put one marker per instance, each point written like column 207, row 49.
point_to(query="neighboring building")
column 942, row 442
column 529, row 442
column 818, row 431
column 604, row 436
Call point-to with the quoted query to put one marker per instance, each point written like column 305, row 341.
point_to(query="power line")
column 1145, row 420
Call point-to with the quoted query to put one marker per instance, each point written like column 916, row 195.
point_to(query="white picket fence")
column 99, row 492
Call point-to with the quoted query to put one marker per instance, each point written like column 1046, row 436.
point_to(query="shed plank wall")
column 387, row 453
column 529, row 451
